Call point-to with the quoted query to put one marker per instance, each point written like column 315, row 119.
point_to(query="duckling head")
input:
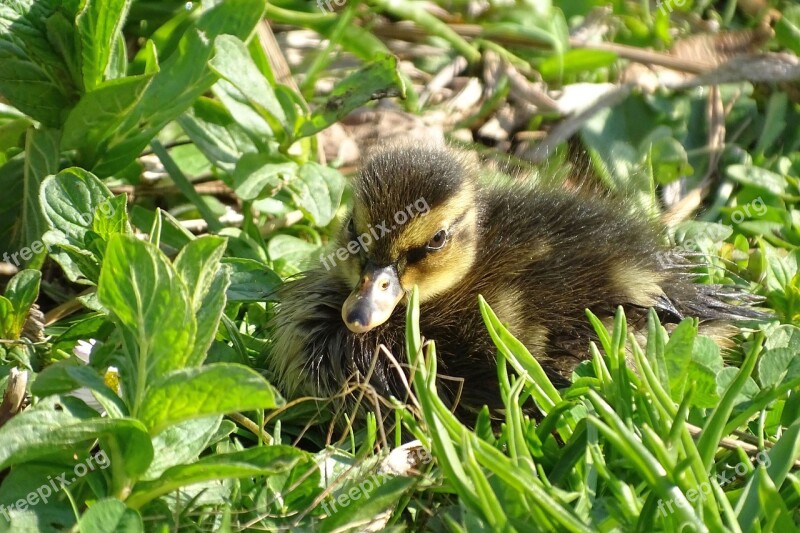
column 414, row 221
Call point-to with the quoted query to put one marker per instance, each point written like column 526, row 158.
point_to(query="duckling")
column 539, row 256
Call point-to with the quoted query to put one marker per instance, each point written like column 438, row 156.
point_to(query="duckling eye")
column 351, row 227
column 437, row 241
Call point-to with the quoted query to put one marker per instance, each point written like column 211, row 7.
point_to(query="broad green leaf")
column 12, row 182
column 378, row 79
column 111, row 218
column 33, row 78
column 183, row 76
column 291, row 254
column 232, row 62
column 256, row 172
column 778, row 365
column 7, row 319
column 199, row 266
column 257, row 461
column 69, row 201
column 251, row 281
column 669, row 160
column 702, row 372
column 37, row 433
column 215, row 132
column 99, row 24
column 22, row 291
column 78, row 263
column 143, row 291
column 248, row 118
column 181, row 444
column 66, row 377
column 56, row 514
column 41, row 160
column 198, row 263
column 757, row 177
column 317, row 191
column 63, row 37
column 197, row 392
column 678, row 355
column 110, row 515
column 93, row 122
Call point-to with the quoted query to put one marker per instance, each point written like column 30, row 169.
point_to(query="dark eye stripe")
column 417, row 254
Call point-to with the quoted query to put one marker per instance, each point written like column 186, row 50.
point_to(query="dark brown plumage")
column 540, row 257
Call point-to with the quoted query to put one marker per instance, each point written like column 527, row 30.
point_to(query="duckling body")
column 539, row 257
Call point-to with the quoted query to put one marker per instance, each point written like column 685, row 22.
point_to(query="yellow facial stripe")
column 419, row 229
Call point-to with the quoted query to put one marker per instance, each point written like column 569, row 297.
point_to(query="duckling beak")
column 371, row 303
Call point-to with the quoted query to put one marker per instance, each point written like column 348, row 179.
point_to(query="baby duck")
column 539, row 257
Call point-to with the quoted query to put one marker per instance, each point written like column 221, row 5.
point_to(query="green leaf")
column 251, row 281
column 199, row 266
column 669, row 160
column 41, row 160
column 12, row 181
column 183, row 76
column 379, row 79
column 258, row 461
column 757, row 177
column 198, row 263
column 7, row 319
column 151, row 303
column 677, row 355
column 256, row 172
column 22, row 291
column 364, row 502
column 216, row 133
column 232, row 62
column 69, row 201
column 94, row 121
column 33, row 77
column 291, row 254
column 37, row 433
column 78, row 264
column 702, row 372
column 99, row 24
column 196, row 392
column 317, row 191
column 181, row 444
column 110, row 515
column 65, row 376
column 778, row 365
column 111, row 218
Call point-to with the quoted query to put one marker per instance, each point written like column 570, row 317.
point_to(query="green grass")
column 194, row 438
